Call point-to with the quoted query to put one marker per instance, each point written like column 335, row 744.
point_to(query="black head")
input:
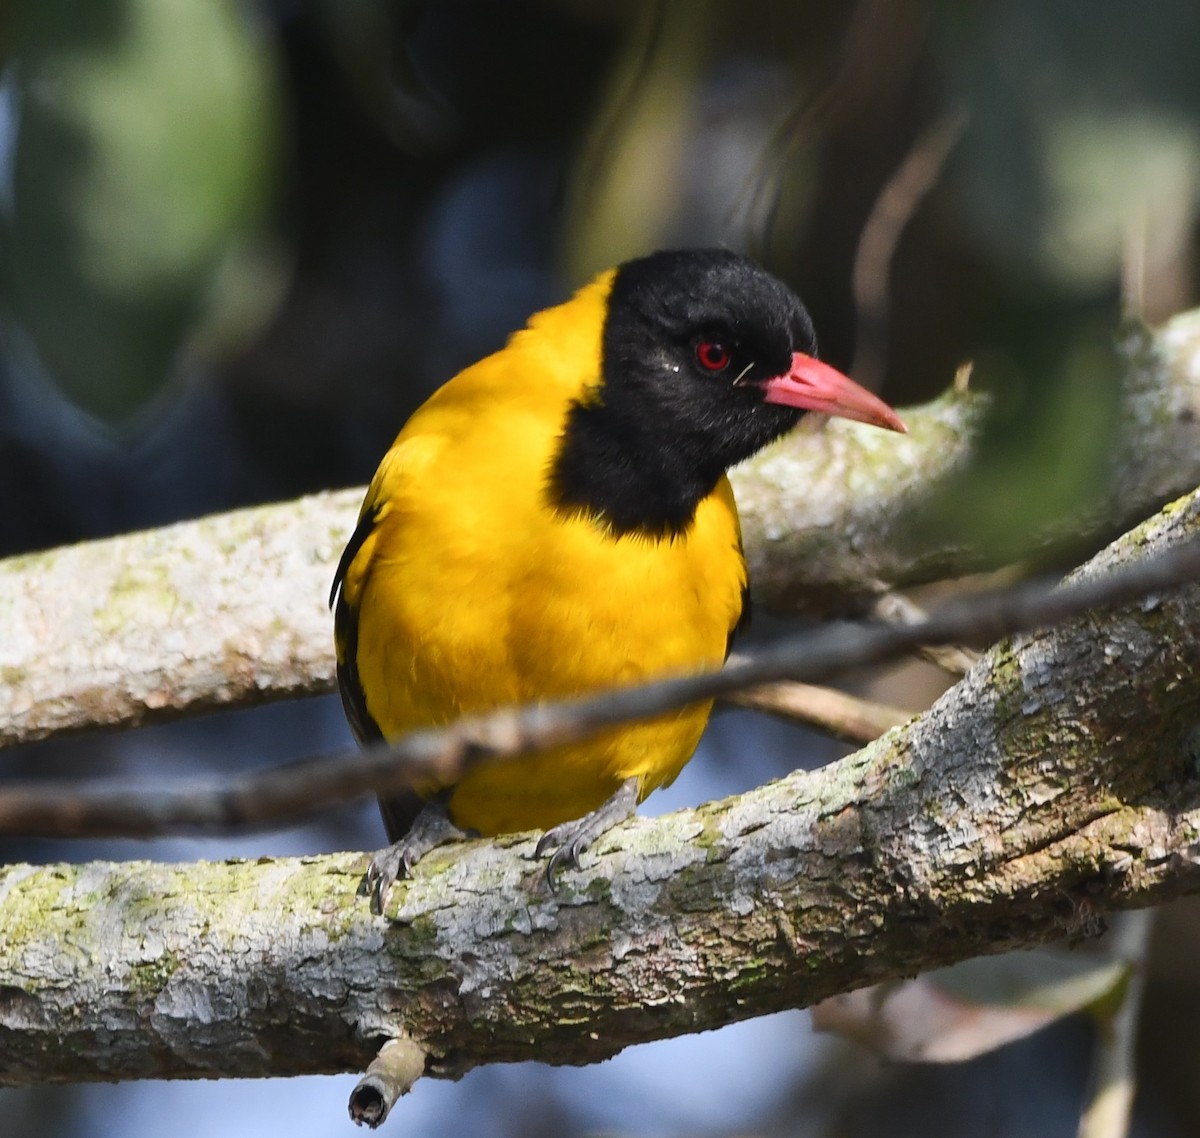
column 693, row 343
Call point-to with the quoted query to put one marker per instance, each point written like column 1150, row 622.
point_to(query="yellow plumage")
column 472, row 590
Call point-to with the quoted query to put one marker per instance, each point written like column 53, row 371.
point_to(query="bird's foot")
column 431, row 827
column 570, row 839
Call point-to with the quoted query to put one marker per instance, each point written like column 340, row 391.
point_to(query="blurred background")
column 241, row 241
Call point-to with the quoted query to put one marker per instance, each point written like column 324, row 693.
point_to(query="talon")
column 566, row 856
column 386, row 867
column 570, row 839
column 431, row 828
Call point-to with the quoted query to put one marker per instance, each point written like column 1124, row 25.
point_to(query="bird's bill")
column 811, row 385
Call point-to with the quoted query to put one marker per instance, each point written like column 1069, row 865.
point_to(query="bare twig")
column 835, row 713
column 872, row 62
column 893, row 209
column 442, row 755
column 896, row 608
column 1114, row 1073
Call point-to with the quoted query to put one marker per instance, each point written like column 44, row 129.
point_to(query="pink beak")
column 814, row 386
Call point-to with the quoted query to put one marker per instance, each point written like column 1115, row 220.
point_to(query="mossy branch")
column 1058, row 781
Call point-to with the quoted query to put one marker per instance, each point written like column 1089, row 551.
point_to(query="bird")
column 556, row 520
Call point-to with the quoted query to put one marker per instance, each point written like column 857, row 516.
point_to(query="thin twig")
column 991, row 822
column 1114, row 1070
column 893, row 210
column 835, row 713
column 870, row 63
column 442, row 755
column 896, row 608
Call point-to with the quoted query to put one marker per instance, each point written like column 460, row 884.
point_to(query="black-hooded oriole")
column 556, row 520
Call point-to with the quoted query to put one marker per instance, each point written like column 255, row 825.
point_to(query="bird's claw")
column 570, row 839
column 567, row 845
column 386, row 868
column 431, row 828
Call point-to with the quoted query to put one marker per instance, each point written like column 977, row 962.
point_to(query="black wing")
column 743, row 621
column 399, row 810
column 345, row 634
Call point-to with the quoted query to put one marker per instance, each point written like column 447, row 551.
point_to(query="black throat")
column 612, row 468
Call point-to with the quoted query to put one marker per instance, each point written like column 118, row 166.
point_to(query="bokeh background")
column 241, row 241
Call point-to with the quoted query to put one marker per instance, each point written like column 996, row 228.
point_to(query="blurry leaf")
column 1083, row 122
column 958, row 1013
column 147, row 135
column 1107, row 174
column 1046, row 451
column 1076, row 189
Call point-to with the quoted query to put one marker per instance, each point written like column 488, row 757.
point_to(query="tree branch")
column 221, row 612
column 1058, row 781
column 229, row 610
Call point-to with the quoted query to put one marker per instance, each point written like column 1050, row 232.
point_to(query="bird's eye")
column 712, row 355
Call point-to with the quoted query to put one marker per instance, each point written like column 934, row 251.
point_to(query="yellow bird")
column 556, row 520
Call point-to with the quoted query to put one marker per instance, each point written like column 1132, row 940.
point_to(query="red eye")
column 712, row 355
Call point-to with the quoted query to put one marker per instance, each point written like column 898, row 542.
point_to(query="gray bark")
column 1058, row 781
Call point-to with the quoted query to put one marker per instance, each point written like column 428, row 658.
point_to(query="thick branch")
column 220, row 612
column 1057, row 781
column 229, row 610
